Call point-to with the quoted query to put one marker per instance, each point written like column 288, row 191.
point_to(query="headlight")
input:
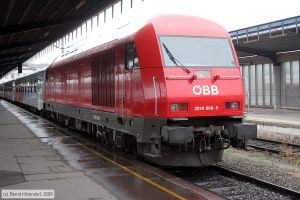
column 179, row 107
column 233, row 105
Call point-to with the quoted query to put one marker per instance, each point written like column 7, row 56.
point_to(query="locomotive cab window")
column 197, row 52
column 131, row 58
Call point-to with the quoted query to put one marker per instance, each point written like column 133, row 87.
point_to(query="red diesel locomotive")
column 172, row 92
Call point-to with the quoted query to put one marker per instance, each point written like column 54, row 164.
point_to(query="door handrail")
column 155, row 95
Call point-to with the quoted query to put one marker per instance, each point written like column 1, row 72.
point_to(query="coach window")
column 132, row 61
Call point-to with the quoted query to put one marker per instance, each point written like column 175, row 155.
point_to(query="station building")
column 269, row 56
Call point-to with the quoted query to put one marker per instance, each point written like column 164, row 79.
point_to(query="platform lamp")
column 20, row 68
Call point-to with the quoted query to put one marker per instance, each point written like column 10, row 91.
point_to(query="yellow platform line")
column 174, row 194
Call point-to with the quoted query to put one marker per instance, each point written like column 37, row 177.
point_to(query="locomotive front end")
column 205, row 96
column 200, row 93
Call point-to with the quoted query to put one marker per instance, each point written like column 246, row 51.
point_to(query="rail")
column 274, row 146
column 232, row 184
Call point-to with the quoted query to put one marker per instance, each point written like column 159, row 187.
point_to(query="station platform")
column 37, row 154
column 279, row 125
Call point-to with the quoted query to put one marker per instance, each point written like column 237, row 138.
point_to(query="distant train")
column 172, row 92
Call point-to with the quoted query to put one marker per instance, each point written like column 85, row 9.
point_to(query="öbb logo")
column 205, row 90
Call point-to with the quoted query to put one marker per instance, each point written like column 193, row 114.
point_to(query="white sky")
column 232, row 14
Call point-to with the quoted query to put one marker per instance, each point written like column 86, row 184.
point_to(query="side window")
column 132, row 61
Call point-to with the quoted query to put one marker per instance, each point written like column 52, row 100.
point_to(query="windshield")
column 198, row 51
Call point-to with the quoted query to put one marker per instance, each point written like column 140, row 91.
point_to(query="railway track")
column 274, row 147
column 222, row 181
column 233, row 185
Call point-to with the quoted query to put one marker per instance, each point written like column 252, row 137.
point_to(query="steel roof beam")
column 6, row 60
column 7, row 30
column 21, row 53
column 26, row 43
column 95, row 8
column 259, row 52
column 6, row 68
column 4, row 63
column 14, row 62
column 5, row 71
column 2, row 60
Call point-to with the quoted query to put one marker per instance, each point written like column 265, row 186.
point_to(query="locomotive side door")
column 125, row 72
column 132, row 79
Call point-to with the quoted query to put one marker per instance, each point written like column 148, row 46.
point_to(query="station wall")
column 272, row 86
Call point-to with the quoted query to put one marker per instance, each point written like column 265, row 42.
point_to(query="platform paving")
column 36, row 154
column 27, row 163
column 279, row 124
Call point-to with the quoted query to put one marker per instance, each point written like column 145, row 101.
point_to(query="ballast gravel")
column 270, row 168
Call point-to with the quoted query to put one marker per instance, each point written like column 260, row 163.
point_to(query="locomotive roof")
column 163, row 25
column 187, row 25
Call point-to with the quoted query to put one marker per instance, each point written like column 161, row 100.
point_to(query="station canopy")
column 28, row 26
column 268, row 40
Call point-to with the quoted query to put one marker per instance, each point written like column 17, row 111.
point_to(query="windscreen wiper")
column 174, row 60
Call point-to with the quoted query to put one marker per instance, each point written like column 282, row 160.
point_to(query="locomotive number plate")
column 206, row 108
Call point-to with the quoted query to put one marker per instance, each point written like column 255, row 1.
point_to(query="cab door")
column 126, row 73
column 132, row 79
